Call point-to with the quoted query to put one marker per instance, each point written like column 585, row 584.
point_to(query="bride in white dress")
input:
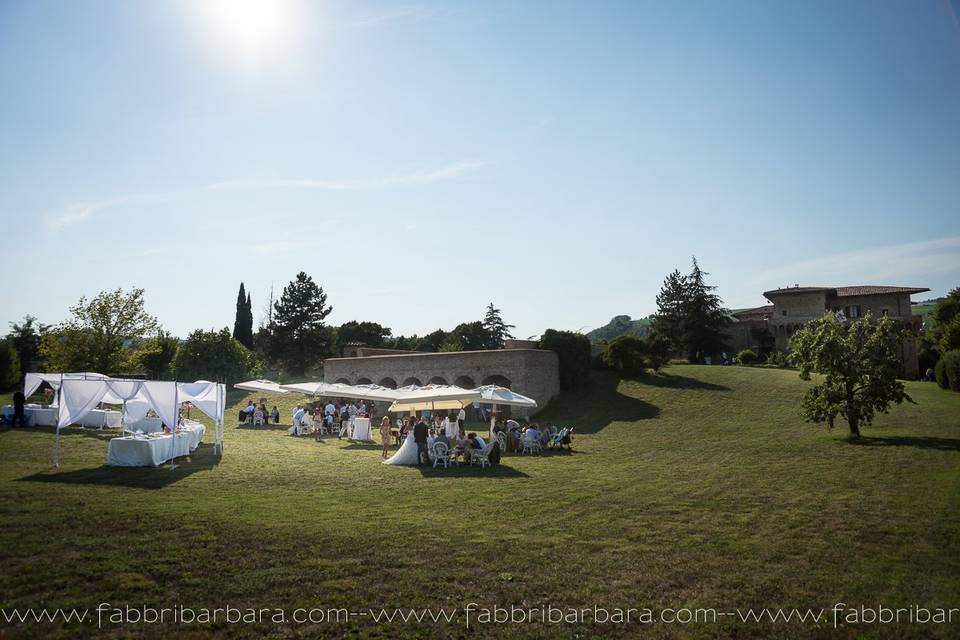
column 407, row 454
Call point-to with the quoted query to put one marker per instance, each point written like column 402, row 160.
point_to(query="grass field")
column 699, row 488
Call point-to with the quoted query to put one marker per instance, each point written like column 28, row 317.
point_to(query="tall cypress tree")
column 241, row 314
column 243, row 322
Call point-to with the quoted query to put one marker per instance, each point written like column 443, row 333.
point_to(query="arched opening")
column 438, row 380
column 498, row 380
column 389, row 383
column 343, row 381
column 364, row 381
column 466, row 382
column 411, row 380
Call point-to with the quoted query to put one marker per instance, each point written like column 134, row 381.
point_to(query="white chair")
column 531, row 445
column 440, row 453
column 481, row 456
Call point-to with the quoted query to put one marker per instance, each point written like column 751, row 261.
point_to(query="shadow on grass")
column 591, row 409
column 938, row 444
column 202, row 459
column 366, row 446
column 671, row 381
column 265, row 427
column 496, row 471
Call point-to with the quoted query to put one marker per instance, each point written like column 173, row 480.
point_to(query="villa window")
column 784, row 312
column 853, row 311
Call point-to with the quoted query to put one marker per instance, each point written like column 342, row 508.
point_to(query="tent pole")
column 56, row 446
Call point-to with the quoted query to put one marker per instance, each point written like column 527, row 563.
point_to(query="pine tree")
column 669, row 320
column 704, row 319
column 300, row 336
column 497, row 330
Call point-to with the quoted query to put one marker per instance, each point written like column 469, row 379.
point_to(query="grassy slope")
column 698, row 488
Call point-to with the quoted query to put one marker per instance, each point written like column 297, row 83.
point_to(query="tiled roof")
column 755, row 313
column 840, row 292
column 875, row 291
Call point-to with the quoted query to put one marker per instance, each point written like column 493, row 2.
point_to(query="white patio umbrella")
column 492, row 394
column 266, row 386
column 340, row 390
column 433, row 397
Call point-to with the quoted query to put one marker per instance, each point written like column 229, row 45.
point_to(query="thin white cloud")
column 79, row 212
column 417, row 178
column 909, row 264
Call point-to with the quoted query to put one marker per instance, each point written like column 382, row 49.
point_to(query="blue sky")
column 420, row 160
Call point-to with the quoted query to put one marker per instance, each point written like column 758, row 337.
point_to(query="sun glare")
column 252, row 32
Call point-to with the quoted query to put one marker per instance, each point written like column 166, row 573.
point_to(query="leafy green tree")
column 156, row 355
column 626, row 354
column 100, row 334
column 467, row 336
column 573, row 351
column 946, row 322
column 215, row 355
column 433, row 341
column 369, row 333
column 497, row 330
column 243, row 322
column 857, row 363
column 25, row 338
column 9, row 365
column 300, row 335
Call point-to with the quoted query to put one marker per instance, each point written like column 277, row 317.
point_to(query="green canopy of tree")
column 497, row 330
column 368, row 333
column 215, row 355
column 102, row 334
column 857, row 363
column 467, row 336
column 300, row 336
column 9, row 365
column 573, row 351
column 156, row 355
column 25, row 338
column 432, row 342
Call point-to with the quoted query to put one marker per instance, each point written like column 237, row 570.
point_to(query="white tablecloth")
column 152, row 451
column 101, row 418
column 361, row 429
column 150, row 424
column 47, row 416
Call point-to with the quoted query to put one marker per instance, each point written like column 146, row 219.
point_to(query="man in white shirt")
column 363, row 408
column 329, row 409
column 461, row 419
column 298, row 414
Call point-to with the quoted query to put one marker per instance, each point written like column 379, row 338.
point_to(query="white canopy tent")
column 79, row 393
column 492, row 394
column 267, row 386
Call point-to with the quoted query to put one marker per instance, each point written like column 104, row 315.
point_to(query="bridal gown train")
column 407, row 454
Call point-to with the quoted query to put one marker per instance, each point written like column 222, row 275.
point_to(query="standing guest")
column 275, row 415
column 298, row 415
column 246, row 412
column 461, row 419
column 420, row 437
column 385, row 435
column 362, row 409
column 18, row 415
column 372, row 411
column 477, row 411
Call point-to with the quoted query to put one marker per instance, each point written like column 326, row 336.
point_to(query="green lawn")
column 700, row 488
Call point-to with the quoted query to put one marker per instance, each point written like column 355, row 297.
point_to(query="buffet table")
column 101, row 418
column 361, row 429
column 154, row 449
column 38, row 416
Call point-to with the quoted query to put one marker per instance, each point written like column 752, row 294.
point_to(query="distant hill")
column 926, row 307
column 620, row 326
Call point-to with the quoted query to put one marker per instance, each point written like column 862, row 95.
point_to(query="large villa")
column 791, row 307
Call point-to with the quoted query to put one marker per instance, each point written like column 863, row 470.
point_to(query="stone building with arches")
column 531, row 372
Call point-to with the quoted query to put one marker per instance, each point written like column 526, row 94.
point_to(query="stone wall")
column 531, row 372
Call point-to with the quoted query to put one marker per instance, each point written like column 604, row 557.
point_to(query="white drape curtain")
column 163, row 398
column 204, row 396
column 78, row 398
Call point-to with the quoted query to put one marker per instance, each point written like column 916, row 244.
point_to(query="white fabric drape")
column 78, row 398
column 204, row 396
column 163, row 398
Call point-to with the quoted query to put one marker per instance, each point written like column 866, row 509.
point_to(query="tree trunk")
column 854, row 427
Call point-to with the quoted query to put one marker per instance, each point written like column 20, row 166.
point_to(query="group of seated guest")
column 258, row 414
